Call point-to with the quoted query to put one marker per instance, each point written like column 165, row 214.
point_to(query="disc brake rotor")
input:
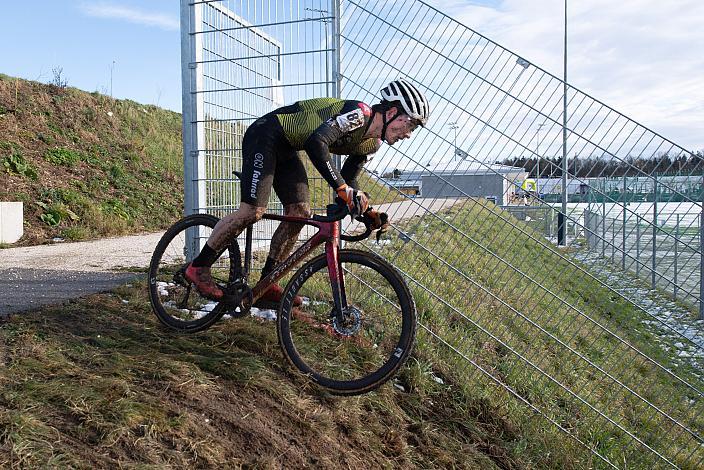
column 349, row 323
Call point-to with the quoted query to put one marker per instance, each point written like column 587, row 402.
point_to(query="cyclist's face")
column 400, row 128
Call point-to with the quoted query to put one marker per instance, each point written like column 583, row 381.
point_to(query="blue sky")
column 643, row 57
column 85, row 37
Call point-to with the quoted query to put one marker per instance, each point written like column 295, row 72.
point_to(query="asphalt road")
column 50, row 274
column 26, row 289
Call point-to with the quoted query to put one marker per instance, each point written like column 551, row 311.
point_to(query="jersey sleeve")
column 353, row 116
column 359, row 156
column 352, row 169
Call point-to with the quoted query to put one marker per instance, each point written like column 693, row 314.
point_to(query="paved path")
column 46, row 274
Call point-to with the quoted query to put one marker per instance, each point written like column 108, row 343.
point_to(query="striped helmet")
column 414, row 103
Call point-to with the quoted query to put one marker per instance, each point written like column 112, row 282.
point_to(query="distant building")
column 495, row 182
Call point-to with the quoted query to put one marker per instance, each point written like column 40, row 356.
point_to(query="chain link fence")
column 590, row 363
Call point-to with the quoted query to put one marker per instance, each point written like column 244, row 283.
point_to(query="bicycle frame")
column 328, row 233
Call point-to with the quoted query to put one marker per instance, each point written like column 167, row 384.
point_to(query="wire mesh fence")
column 242, row 60
column 566, row 333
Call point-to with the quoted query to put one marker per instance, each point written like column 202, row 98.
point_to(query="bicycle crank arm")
column 237, row 300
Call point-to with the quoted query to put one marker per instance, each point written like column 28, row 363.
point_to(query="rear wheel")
column 175, row 301
column 363, row 349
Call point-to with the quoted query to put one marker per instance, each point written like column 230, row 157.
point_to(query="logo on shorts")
column 256, row 174
column 255, row 181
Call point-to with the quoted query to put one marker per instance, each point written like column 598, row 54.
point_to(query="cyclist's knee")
column 249, row 213
column 297, row 209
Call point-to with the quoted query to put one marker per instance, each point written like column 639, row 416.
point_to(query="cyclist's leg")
column 258, row 165
column 259, row 148
column 291, row 186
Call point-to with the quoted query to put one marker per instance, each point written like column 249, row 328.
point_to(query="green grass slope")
column 99, row 382
column 559, row 339
column 85, row 165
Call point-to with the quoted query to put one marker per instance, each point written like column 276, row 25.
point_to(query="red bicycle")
column 357, row 323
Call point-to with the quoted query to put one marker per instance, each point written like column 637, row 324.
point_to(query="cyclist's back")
column 301, row 119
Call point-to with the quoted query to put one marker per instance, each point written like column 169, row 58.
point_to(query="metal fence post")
column 191, row 77
column 193, row 131
column 603, row 226
column 701, row 257
column 655, row 228
column 677, row 236
column 613, row 240
column 588, row 228
column 623, row 228
column 336, row 62
column 638, row 249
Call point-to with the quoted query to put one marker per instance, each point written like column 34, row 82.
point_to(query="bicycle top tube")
column 335, row 213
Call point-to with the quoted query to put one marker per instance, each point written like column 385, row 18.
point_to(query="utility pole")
column 112, row 66
column 562, row 229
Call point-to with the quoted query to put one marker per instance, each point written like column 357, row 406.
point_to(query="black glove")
column 376, row 221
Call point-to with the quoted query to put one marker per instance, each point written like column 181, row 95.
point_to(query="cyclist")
column 269, row 149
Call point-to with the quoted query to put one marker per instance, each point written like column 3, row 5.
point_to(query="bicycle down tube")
column 328, row 233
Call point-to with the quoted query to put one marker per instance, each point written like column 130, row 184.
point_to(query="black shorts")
column 269, row 160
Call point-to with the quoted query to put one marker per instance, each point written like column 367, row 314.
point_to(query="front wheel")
column 363, row 349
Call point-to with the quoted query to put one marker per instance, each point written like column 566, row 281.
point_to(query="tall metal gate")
column 609, row 364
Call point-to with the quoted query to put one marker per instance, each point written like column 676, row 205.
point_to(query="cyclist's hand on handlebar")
column 375, row 220
column 357, row 201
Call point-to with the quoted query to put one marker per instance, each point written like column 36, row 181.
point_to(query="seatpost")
column 248, row 251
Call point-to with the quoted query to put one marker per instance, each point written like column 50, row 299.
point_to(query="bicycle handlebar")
column 339, row 211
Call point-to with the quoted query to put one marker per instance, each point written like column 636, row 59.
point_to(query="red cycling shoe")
column 272, row 298
column 203, row 281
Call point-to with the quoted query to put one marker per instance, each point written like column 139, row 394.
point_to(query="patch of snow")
column 671, row 323
column 264, row 314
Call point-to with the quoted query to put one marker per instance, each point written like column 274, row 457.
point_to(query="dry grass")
column 98, row 382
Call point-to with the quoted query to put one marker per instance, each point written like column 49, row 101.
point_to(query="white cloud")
column 642, row 57
column 132, row 15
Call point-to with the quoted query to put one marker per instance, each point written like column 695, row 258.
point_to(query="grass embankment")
column 98, row 383
column 88, row 166
column 548, row 314
column 85, row 165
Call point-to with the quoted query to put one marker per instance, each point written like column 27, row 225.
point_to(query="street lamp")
column 453, row 125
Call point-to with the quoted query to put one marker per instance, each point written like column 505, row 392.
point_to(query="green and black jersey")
column 322, row 126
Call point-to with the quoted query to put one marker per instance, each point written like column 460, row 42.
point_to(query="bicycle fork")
column 337, row 277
